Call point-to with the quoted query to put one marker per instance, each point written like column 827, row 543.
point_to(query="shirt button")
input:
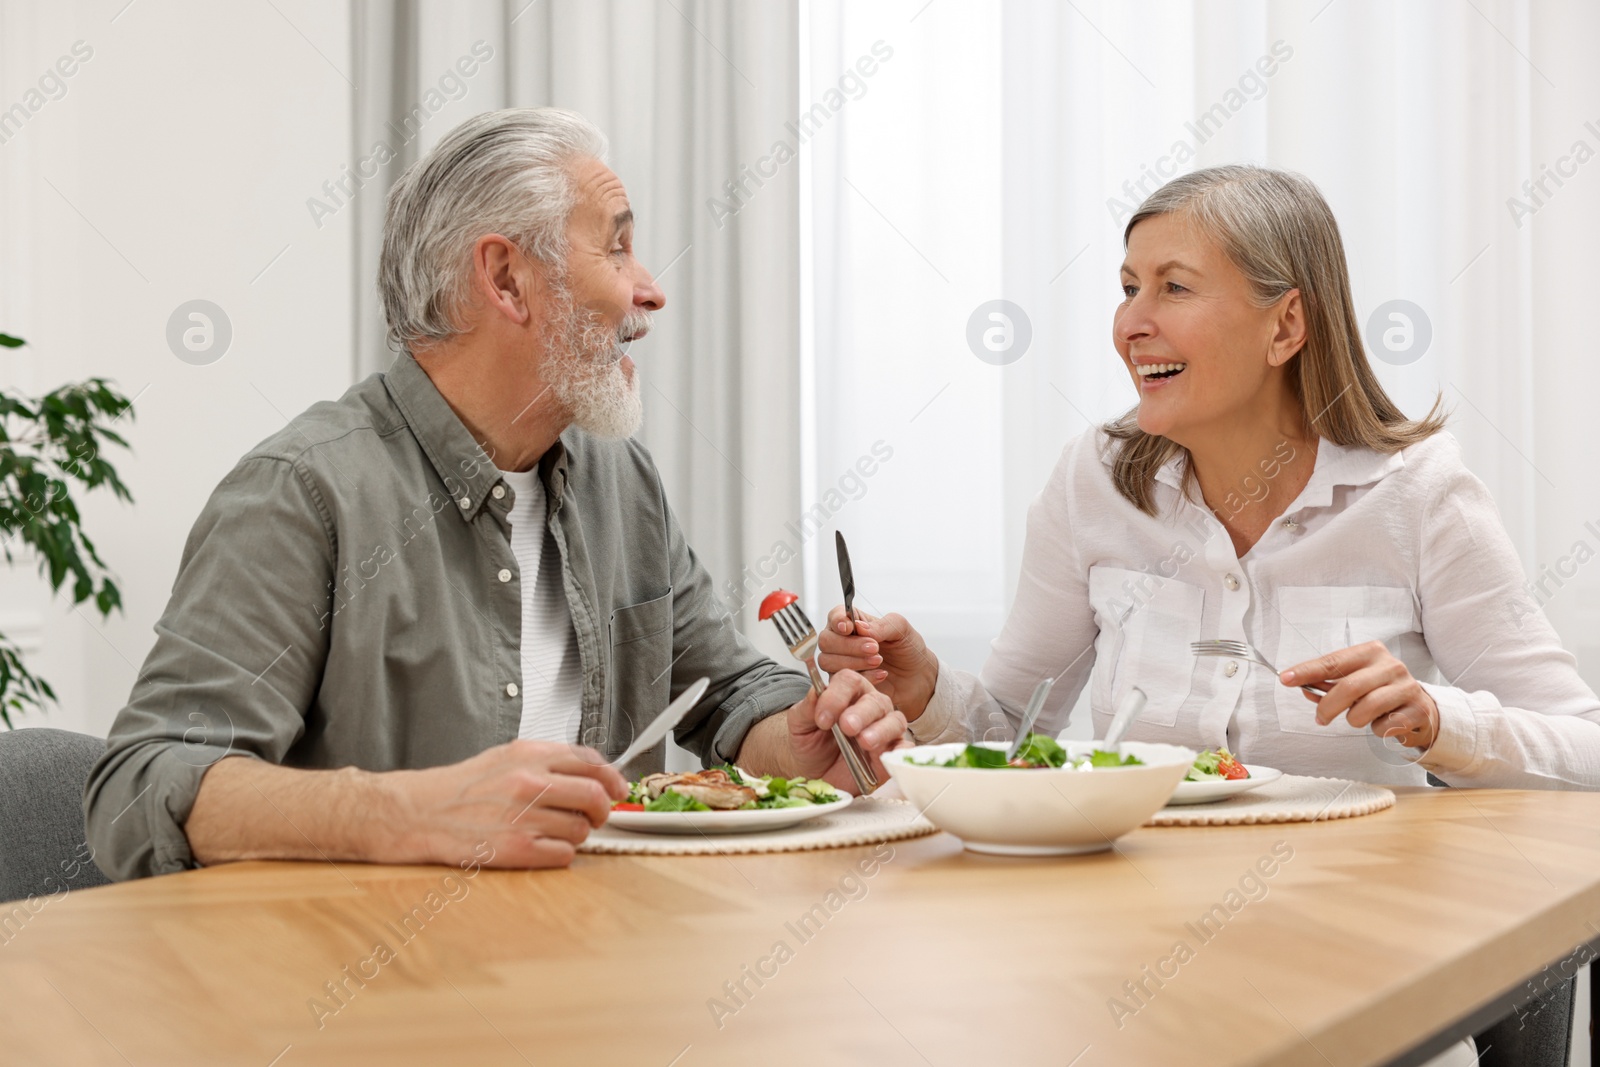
column 1232, row 668
column 465, row 502
column 1232, row 582
column 498, row 492
column 511, row 689
column 1290, row 525
column 504, row 575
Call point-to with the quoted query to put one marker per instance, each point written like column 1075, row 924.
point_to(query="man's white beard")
column 583, row 367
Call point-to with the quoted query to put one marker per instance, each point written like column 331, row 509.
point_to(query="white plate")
column 1222, row 789
column 721, row 822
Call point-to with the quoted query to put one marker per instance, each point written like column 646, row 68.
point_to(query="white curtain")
column 690, row 93
column 997, row 154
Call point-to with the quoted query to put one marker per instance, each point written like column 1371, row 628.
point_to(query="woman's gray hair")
column 1279, row 232
column 505, row 172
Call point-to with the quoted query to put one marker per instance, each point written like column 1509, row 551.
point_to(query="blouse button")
column 498, row 492
column 465, row 502
column 1290, row 525
column 504, row 575
column 1232, row 582
column 1232, row 668
column 511, row 689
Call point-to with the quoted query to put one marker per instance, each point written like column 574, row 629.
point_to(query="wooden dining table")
column 1369, row 940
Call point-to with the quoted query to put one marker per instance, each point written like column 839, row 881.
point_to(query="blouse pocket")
column 1317, row 620
column 1146, row 625
column 641, row 669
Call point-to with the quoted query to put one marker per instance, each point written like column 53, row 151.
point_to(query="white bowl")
column 1040, row 812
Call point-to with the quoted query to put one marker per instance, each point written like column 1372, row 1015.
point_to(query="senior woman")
column 1265, row 489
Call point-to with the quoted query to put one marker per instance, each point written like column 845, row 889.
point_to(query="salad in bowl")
column 1070, row 797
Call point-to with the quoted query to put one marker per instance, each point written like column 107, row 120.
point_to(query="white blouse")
column 1407, row 549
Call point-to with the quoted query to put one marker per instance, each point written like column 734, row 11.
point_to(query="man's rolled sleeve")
column 776, row 692
column 238, row 657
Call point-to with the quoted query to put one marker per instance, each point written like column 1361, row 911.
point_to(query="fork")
column 801, row 637
column 1242, row 650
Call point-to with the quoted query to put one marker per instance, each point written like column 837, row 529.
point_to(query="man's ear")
column 1289, row 335
column 503, row 279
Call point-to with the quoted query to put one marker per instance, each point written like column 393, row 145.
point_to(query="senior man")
column 396, row 617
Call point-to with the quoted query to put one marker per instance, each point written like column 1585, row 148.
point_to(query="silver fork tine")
column 799, row 623
column 1218, row 648
column 1227, row 647
column 1241, row 650
column 802, row 640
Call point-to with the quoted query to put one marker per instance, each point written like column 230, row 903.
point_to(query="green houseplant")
column 45, row 445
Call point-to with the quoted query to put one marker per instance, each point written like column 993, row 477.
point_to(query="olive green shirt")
column 344, row 600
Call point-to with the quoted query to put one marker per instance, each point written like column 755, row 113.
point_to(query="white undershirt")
column 551, row 678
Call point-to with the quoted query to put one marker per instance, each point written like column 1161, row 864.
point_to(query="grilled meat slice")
column 712, row 788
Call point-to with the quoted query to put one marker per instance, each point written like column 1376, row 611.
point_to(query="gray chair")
column 1538, row 1034
column 43, row 851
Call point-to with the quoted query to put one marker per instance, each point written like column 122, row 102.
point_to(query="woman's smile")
column 1153, row 376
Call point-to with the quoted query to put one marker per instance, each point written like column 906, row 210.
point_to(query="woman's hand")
column 888, row 652
column 1371, row 688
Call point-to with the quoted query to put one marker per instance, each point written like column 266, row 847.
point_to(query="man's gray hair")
column 505, row 172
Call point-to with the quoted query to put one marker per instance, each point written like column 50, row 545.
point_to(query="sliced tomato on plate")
column 1231, row 769
column 623, row 806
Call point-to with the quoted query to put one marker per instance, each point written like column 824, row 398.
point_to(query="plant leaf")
column 48, row 448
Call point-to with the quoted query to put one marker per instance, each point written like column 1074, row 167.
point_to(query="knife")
column 663, row 723
column 847, row 577
column 1035, row 702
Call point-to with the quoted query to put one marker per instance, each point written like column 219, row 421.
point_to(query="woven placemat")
column 867, row 821
column 1291, row 798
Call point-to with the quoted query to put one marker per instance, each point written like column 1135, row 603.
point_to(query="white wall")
column 176, row 166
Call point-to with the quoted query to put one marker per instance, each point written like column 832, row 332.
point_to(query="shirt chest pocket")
column 1146, row 624
column 640, row 674
column 1317, row 620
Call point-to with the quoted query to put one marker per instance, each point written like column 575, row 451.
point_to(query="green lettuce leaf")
column 1205, row 767
column 1042, row 749
column 781, row 802
column 977, row 756
column 671, row 800
column 1102, row 758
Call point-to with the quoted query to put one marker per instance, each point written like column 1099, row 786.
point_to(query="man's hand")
column 534, row 802
column 1372, row 688
column 861, row 712
column 888, row 652
column 799, row 743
